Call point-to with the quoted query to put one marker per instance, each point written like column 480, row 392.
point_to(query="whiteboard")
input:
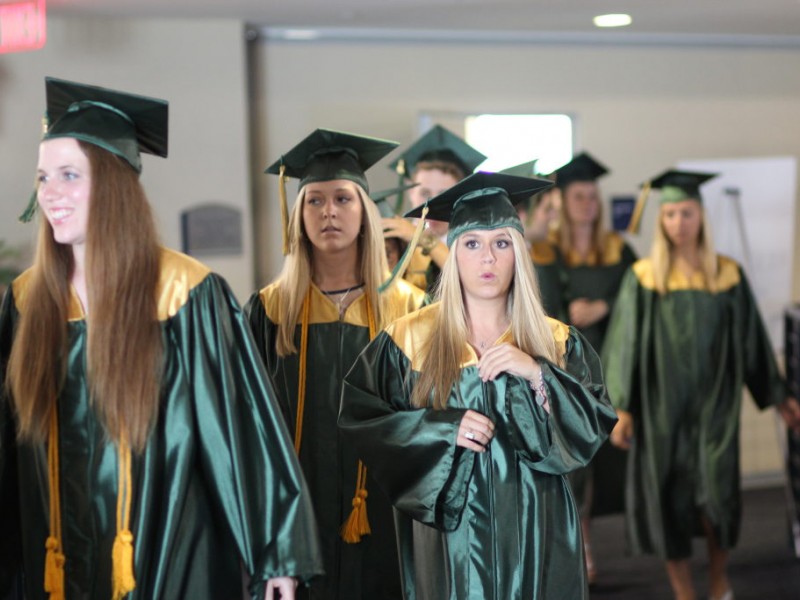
column 751, row 208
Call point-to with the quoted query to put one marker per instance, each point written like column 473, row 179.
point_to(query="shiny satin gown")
column 678, row 362
column 500, row 525
column 367, row 569
column 216, row 491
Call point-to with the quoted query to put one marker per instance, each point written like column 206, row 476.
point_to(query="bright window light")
column 510, row 140
column 613, row 20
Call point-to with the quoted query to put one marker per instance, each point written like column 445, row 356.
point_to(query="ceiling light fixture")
column 612, row 20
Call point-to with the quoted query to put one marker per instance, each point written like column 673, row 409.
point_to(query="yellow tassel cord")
column 405, row 260
column 357, row 524
column 284, row 209
column 301, row 382
column 636, row 217
column 54, row 559
column 123, row 581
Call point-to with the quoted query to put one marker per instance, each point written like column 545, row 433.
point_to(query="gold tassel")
column 122, row 577
column 301, row 381
column 54, row 570
column 284, row 209
column 638, row 211
column 54, row 558
column 357, row 524
column 122, row 557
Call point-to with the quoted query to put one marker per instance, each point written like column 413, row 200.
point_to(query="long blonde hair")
column 294, row 279
column 441, row 353
column 124, row 349
column 564, row 232
column 661, row 254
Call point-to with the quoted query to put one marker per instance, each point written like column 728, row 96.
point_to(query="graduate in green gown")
column 592, row 262
column 142, row 454
column 310, row 324
column 435, row 162
column 539, row 215
column 684, row 339
column 470, row 412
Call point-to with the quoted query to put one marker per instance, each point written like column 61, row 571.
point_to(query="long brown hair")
column 295, row 277
column 124, row 349
column 564, row 233
column 441, row 353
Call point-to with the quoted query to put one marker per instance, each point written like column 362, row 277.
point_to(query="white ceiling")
column 666, row 17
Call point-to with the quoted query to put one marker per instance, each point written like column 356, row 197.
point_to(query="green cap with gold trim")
column 122, row 123
column 481, row 201
column 438, row 145
column 675, row 186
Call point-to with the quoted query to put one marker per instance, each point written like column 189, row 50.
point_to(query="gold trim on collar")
column 401, row 298
column 410, row 333
column 612, row 253
column 543, row 253
column 728, row 276
column 179, row 275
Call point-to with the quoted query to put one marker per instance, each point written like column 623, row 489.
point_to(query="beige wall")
column 199, row 66
column 640, row 109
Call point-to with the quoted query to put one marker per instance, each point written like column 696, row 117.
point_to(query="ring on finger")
column 470, row 435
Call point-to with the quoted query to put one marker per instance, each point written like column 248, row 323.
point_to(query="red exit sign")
column 22, row 25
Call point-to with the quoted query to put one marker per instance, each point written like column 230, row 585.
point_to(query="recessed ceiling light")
column 613, row 20
column 301, row 34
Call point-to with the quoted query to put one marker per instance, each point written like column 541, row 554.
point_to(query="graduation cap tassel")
column 636, row 217
column 402, row 264
column 122, row 578
column 30, row 210
column 54, row 558
column 284, row 208
column 357, row 524
column 398, row 203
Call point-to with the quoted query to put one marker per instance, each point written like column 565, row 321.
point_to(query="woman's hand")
column 790, row 411
column 398, row 227
column 284, row 586
column 583, row 312
column 622, row 434
column 505, row 358
column 475, row 431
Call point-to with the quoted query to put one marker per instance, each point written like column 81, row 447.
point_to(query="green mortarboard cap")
column 438, row 144
column 675, row 186
column 381, row 199
column 581, row 168
column 526, row 169
column 122, row 123
column 481, row 201
column 326, row 155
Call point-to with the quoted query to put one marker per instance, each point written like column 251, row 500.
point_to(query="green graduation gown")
column 678, row 362
column 500, row 525
column 422, row 272
column 368, row 569
column 216, row 491
column 598, row 488
column 549, row 266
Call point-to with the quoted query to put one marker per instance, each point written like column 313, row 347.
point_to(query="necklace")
column 345, row 293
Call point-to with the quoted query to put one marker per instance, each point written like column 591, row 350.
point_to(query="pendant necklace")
column 345, row 293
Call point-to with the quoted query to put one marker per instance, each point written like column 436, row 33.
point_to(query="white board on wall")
column 751, row 208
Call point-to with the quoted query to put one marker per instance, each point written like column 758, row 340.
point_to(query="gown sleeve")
column 761, row 374
column 580, row 417
column 627, row 259
column 10, row 540
column 244, row 446
column 411, row 452
column 621, row 345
